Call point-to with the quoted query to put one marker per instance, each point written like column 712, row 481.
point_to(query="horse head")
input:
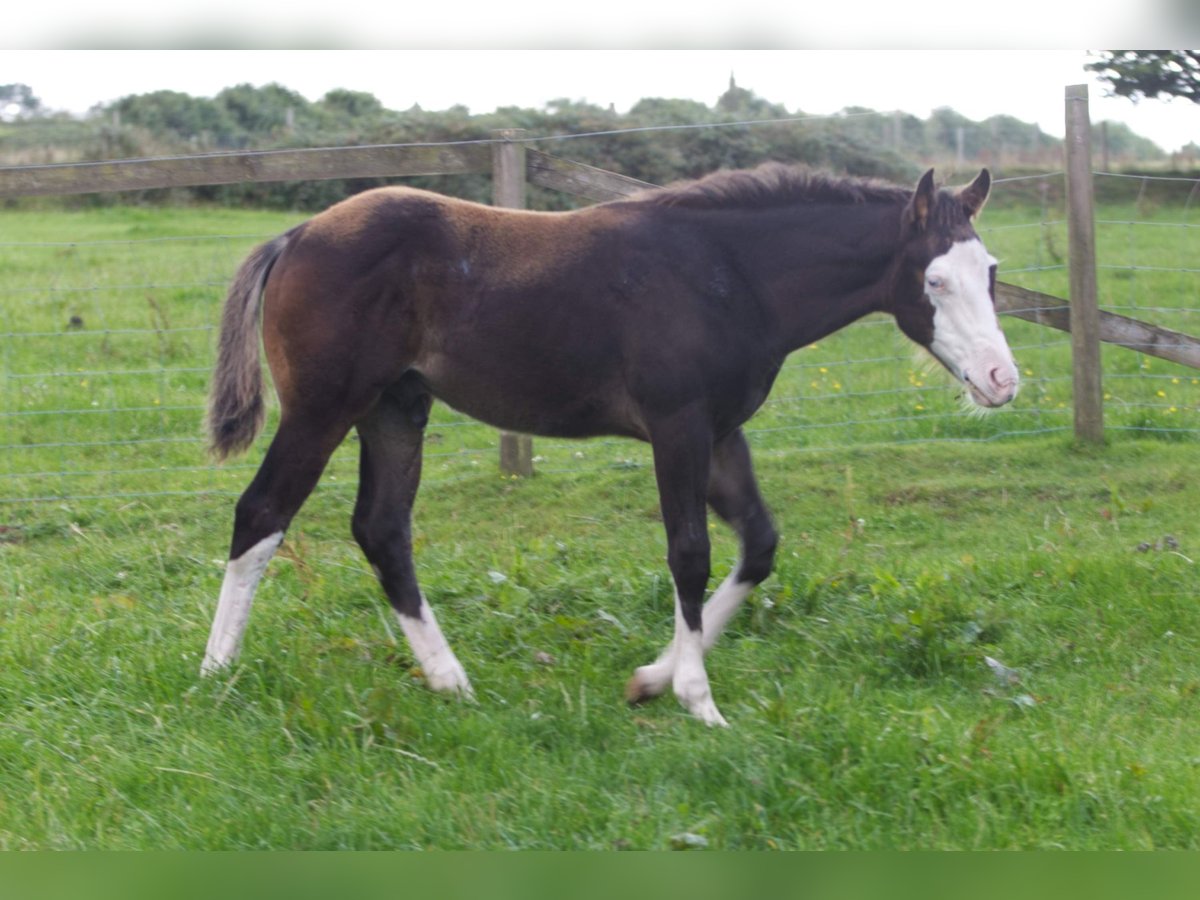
column 944, row 290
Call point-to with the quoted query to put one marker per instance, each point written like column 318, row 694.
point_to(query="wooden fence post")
column 508, row 189
column 1081, row 228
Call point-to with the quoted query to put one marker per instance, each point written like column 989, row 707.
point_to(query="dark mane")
column 772, row 185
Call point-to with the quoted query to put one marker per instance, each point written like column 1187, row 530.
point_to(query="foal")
column 663, row 317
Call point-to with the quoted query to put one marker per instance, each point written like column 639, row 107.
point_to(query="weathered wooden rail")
column 377, row 161
column 1123, row 331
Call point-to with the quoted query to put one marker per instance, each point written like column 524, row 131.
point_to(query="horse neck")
column 818, row 269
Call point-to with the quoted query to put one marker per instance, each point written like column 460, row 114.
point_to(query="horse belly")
column 518, row 401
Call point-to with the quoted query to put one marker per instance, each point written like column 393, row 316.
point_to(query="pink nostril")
column 1004, row 382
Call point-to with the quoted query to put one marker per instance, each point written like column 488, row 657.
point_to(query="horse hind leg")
column 391, row 438
column 242, row 575
column 289, row 472
column 733, row 495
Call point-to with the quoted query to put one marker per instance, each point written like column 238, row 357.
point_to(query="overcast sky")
column 496, row 54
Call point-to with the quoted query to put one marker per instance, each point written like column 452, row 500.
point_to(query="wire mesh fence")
column 107, row 347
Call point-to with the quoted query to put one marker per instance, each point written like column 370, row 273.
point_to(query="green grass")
column 916, row 542
column 862, row 712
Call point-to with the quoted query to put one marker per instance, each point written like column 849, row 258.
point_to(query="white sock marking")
column 690, row 680
column 443, row 671
column 233, row 606
column 653, row 679
column 725, row 601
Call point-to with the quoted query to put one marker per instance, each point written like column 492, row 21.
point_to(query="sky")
column 902, row 56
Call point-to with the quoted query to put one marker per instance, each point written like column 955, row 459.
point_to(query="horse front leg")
column 733, row 495
column 682, row 449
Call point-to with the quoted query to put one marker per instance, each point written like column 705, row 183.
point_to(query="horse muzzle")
column 997, row 385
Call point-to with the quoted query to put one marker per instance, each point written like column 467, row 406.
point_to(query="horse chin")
column 978, row 399
column 982, row 400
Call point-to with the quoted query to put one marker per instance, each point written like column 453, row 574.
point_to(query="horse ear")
column 917, row 213
column 975, row 194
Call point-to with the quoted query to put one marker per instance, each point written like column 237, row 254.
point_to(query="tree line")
column 748, row 129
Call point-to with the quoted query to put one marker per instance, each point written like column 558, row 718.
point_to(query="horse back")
column 566, row 323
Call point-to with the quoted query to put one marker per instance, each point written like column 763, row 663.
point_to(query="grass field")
column 863, row 714
column 916, row 542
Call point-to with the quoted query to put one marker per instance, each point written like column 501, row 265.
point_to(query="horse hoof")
column 708, row 713
column 646, row 683
column 451, row 680
column 635, row 692
column 211, row 666
column 697, row 699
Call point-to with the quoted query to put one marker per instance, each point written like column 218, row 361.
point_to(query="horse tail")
column 235, row 409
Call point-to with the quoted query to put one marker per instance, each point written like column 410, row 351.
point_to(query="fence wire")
column 106, row 348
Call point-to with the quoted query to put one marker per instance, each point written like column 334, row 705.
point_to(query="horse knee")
column 758, row 556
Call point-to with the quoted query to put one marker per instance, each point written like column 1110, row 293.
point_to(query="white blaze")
column 966, row 334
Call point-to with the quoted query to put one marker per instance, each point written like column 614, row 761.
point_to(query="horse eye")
column 936, row 283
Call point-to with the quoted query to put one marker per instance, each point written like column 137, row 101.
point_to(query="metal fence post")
column 1081, row 228
column 508, row 189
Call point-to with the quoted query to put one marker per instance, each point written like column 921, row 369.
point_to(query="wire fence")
column 106, row 348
